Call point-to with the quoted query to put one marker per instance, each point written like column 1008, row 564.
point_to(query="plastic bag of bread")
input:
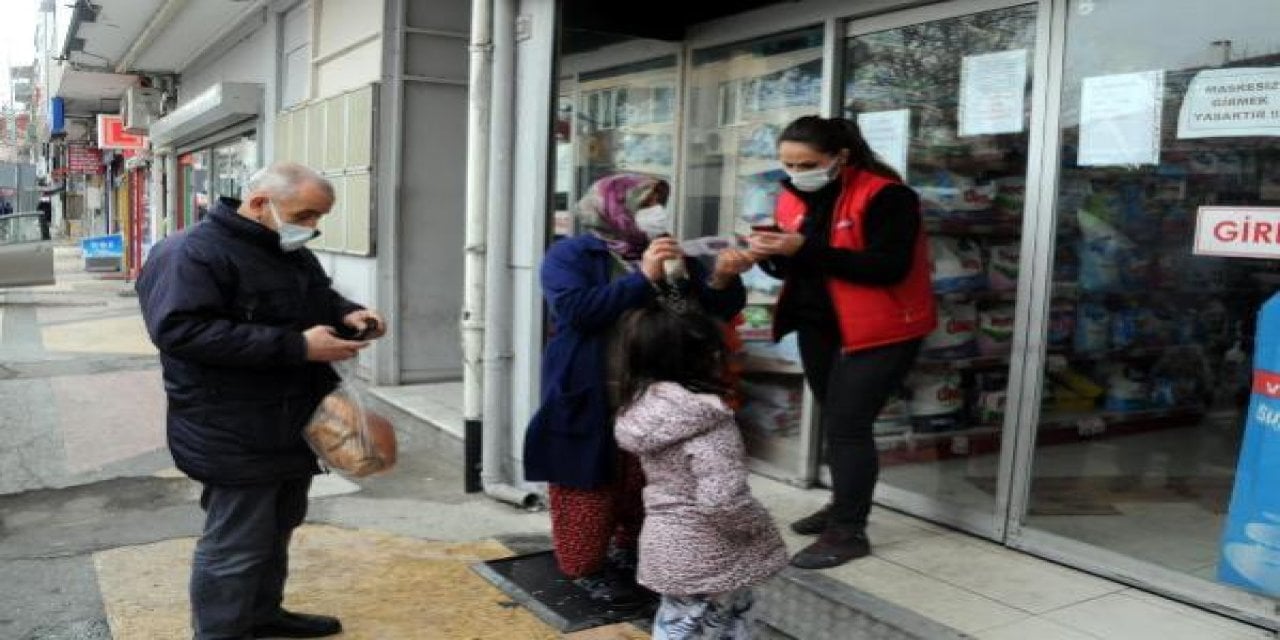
column 349, row 438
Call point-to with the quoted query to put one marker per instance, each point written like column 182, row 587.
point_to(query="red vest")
column 869, row 315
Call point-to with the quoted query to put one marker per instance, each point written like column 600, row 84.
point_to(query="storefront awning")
column 223, row 105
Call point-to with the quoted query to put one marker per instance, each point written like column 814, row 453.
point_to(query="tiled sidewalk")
column 995, row 593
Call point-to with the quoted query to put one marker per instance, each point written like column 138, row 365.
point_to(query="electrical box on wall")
column 139, row 107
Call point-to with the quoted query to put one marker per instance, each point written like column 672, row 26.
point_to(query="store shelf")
column 1117, row 420
column 925, row 439
column 1152, row 291
column 1054, row 429
column 985, row 296
column 1133, row 353
column 759, row 364
column 1004, row 229
column 748, row 167
column 651, row 128
column 976, row 362
column 652, row 169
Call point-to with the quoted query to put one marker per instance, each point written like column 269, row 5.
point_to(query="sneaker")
column 836, row 546
column 297, row 625
column 614, row 590
column 814, row 523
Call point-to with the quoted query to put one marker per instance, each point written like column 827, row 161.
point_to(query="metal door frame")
column 989, row 524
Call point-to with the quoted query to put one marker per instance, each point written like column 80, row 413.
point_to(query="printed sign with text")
column 1238, row 232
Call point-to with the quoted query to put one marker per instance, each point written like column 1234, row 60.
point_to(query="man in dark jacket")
column 247, row 324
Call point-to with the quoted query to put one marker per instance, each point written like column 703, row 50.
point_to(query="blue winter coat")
column 570, row 438
column 227, row 308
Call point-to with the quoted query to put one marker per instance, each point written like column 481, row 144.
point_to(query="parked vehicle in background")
column 25, row 258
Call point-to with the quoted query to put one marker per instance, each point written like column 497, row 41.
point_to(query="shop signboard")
column 1120, row 119
column 1251, row 542
column 82, row 158
column 1231, row 102
column 1238, row 232
column 111, row 134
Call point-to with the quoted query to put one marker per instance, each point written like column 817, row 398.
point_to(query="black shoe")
column 836, row 546
column 298, row 625
column 625, row 562
column 614, row 590
column 814, row 523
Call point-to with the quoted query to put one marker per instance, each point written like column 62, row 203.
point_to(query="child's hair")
column 658, row 344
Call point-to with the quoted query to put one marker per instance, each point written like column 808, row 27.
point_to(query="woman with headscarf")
column 624, row 259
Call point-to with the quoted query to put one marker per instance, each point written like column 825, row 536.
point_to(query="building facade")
column 373, row 94
column 1085, row 396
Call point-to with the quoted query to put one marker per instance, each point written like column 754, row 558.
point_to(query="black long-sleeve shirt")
column 890, row 226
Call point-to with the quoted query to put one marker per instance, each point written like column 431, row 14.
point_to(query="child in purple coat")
column 705, row 541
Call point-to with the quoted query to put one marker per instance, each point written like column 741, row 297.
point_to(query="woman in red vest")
column 852, row 251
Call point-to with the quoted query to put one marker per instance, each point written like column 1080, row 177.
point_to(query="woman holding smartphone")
column 852, row 251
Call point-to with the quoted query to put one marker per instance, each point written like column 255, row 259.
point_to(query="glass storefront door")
column 947, row 103
column 741, row 96
column 1166, row 106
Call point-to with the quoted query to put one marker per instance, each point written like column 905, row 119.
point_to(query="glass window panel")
column 741, row 96
column 946, row 103
column 1150, row 346
column 628, row 123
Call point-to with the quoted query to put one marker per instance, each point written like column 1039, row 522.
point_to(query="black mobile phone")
column 367, row 333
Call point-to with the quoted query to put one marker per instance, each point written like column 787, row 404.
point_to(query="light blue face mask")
column 292, row 236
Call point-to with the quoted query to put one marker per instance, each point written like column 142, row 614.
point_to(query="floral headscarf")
column 609, row 208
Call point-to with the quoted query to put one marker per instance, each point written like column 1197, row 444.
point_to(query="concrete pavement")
column 96, row 526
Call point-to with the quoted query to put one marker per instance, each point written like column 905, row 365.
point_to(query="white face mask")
column 654, row 221
column 813, row 179
column 292, row 236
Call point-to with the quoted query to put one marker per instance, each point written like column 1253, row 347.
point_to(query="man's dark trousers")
column 242, row 560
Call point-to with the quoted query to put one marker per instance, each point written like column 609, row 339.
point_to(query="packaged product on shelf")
column 757, row 280
column 936, row 400
column 893, row 419
column 956, row 335
column 1104, row 254
column 1069, row 390
column 1128, row 389
column 784, row 354
column 946, row 195
column 757, row 323
column 1066, row 264
column 991, row 395
column 1156, row 326
column 995, row 330
column 1093, row 328
column 1073, row 191
column 1062, row 325
column 1124, row 327
column 1002, row 267
column 770, row 409
column 759, row 197
column 991, row 407
column 1011, row 196
column 1181, row 378
column 957, row 265
column 760, row 142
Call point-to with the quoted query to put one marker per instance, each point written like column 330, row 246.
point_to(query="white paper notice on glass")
column 1120, row 119
column 1238, row 101
column 888, row 133
column 993, row 91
